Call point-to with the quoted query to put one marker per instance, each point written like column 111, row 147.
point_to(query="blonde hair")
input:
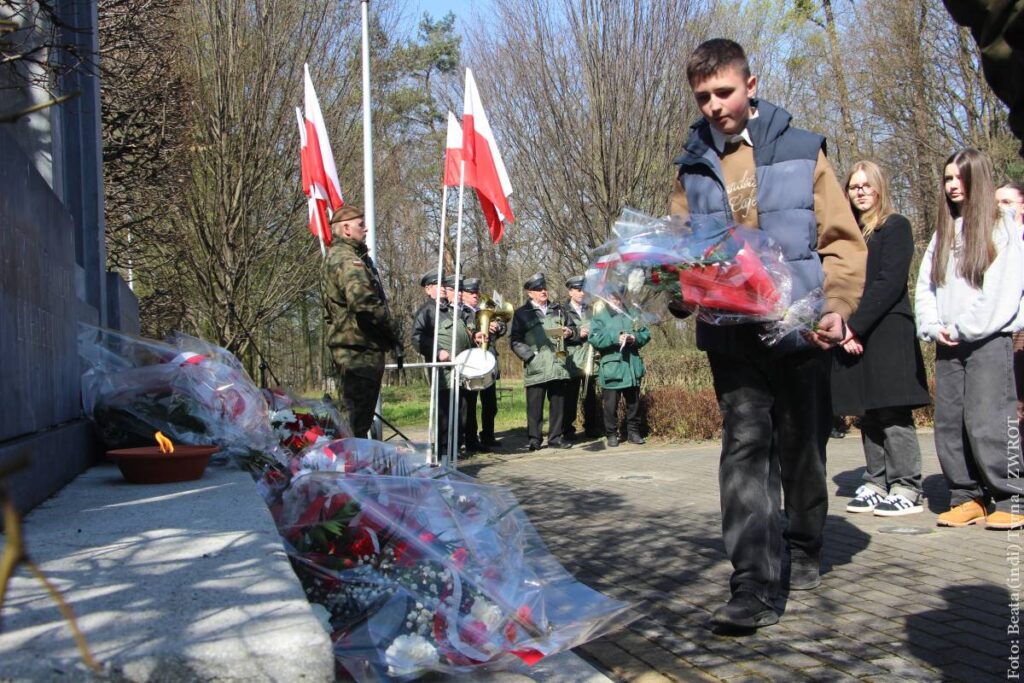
column 876, row 215
column 980, row 214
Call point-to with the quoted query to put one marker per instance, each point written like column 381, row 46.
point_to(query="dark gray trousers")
column 776, row 412
column 555, row 392
column 891, row 451
column 977, row 437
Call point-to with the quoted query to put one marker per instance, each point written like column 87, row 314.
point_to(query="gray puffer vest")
column 784, row 160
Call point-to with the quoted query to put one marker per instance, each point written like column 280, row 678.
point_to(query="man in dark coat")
column 359, row 326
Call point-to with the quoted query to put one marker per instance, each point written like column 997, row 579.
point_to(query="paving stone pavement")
column 900, row 599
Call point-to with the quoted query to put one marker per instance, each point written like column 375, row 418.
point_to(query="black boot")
column 744, row 611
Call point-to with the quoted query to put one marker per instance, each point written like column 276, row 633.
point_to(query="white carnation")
column 408, row 655
column 636, row 279
column 489, row 614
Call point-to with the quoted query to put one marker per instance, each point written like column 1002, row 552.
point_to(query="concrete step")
column 170, row 582
column 178, row 582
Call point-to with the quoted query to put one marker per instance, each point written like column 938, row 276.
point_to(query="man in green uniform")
column 539, row 330
column 580, row 358
column 358, row 325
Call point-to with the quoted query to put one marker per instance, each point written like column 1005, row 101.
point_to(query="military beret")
column 575, row 282
column 449, row 282
column 471, row 285
column 536, row 282
column 428, row 279
column 348, row 212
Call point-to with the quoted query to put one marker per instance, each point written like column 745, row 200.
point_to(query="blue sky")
column 463, row 9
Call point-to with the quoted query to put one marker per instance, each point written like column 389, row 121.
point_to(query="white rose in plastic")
column 636, row 279
column 489, row 614
column 409, row 654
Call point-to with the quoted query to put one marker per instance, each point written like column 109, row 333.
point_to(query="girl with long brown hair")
column 968, row 302
column 878, row 371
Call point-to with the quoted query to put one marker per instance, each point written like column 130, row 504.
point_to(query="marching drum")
column 477, row 368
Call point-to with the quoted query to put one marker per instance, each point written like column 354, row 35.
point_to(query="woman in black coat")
column 878, row 371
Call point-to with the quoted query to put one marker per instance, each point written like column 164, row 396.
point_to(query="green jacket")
column 530, row 342
column 621, row 368
column 445, row 331
column 577, row 347
column 358, row 325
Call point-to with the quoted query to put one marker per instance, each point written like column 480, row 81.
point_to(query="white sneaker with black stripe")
column 866, row 499
column 896, row 504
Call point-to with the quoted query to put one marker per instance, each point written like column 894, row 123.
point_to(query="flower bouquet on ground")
column 424, row 569
column 133, row 387
column 299, row 423
column 721, row 274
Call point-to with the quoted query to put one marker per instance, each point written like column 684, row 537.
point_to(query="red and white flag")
column 319, row 175
column 485, row 170
column 452, row 151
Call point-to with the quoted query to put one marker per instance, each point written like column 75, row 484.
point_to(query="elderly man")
column 539, row 330
column 359, row 327
column 488, row 396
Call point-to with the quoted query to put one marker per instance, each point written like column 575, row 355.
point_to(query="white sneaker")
column 866, row 500
column 896, row 504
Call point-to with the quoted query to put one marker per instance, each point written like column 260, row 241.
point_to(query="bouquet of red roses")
column 192, row 391
column 720, row 273
column 424, row 569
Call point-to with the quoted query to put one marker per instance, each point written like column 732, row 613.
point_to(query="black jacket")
column 423, row 327
column 890, row 372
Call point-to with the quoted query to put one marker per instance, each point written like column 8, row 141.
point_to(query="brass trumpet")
column 588, row 364
column 560, row 340
column 489, row 310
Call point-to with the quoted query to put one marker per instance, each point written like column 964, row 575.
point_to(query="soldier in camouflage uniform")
column 359, row 327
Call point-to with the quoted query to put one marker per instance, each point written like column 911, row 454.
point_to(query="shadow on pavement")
column 979, row 618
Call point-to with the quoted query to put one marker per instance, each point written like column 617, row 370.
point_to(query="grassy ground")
column 409, row 406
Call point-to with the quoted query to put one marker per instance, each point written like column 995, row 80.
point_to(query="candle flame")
column 166, row 445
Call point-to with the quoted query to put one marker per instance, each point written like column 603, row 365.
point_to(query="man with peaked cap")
column 449, row 327
column 488, row 396
column 540, row 328
column 423, row 319
column 359, row 327
column 579, row 353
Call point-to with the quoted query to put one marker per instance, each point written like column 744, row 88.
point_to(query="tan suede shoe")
column 971, row 512
column 1004, row 520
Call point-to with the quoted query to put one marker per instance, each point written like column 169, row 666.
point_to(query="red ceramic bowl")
column 147, row 465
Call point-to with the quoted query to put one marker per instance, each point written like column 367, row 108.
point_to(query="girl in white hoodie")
column 968, row 301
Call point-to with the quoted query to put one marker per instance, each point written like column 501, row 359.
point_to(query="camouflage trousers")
column 358, row 388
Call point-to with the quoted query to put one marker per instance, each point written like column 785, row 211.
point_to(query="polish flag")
column 484, row 169
column 319, row 175
column 452, row 151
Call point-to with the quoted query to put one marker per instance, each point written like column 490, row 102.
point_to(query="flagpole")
column 369, row 214
column 432, row 428
column 453, row 417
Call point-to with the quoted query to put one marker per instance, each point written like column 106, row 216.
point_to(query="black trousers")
column 488, row 410
column 443, row 411
column 776, row 413
column 555, row 393
column 610, row 401
column 593, row 424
